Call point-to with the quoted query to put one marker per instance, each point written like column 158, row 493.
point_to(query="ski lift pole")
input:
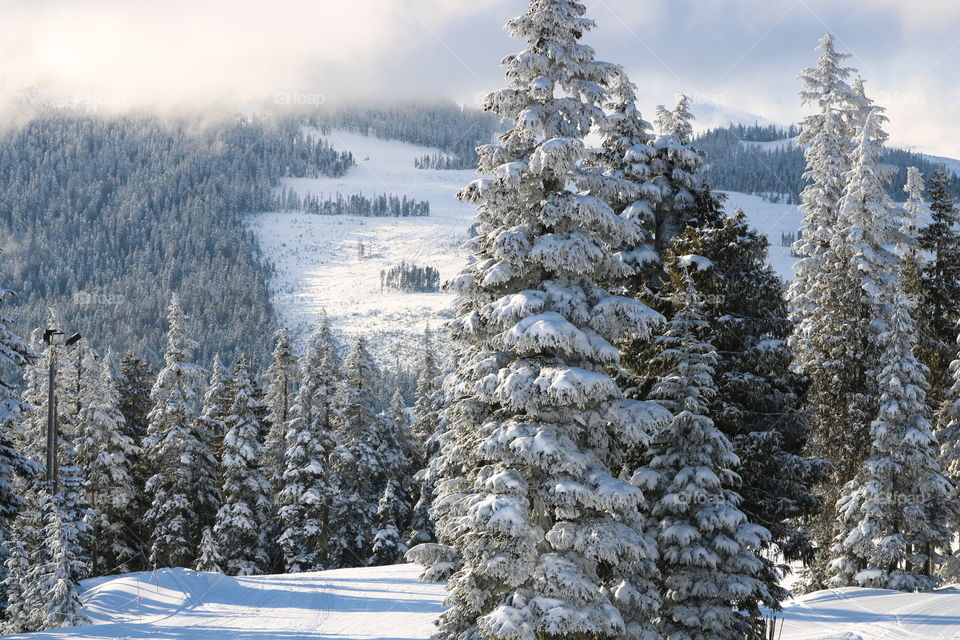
column 54, row 338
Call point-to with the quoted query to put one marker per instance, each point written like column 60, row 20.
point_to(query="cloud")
column 215, row 51
column 203, row 53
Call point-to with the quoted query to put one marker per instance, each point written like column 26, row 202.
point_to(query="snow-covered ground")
column 384, row 603
column 318, row 266
column 389, row 603
column 317, row 256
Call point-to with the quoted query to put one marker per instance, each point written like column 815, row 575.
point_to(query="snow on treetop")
column 701, row 263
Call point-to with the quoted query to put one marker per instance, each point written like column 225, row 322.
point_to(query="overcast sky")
column 744, row 54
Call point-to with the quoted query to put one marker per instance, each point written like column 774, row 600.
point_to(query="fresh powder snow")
column 390, row 603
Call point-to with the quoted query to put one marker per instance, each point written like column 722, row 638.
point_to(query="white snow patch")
column 390, row 603
column 317, row 260
column 177, row 604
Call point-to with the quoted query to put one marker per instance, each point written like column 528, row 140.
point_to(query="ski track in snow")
column 383, row 603
column 389, row 603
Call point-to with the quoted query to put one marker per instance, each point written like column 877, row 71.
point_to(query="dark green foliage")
column 757, row 404
column 939, row 290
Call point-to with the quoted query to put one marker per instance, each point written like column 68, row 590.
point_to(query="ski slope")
column 389, row 603
column 318, row 264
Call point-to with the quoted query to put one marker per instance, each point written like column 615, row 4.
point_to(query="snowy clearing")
column 318, row 267
column 389, row 603
column 317, row 256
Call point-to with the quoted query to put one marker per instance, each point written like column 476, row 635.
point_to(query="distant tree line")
column 444, row 125
column 777, row 173
column 375, row 206
column 410, row 277
column 443, row 162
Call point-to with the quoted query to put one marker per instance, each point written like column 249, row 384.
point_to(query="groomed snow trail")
column 390, row 603
column 175, row 604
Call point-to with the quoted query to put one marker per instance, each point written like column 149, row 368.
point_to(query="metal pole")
column 52, row 422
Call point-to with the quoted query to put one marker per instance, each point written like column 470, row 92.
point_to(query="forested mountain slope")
column 103, row 218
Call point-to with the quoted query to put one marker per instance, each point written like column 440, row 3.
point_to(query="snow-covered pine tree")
column 63, row 569
column 282, row 386
column 908, row 248
column 826, row 152
column 892, row 515
column 179, row 489
column 397, row 456
column 104, row 453
column 133, row 386
column 676, row 168
column 940, row 284
column 392, row 510
column 74, row 514
column 711, row 577
column 425, row 428
column 425, row 410
column 304, row 494
column 548, row 533
column 246, row 491
column 854, row 287
column 627, row 182
column 14, row 353
column 948, row 436
column 209, row 558
column 16, row 602
column 356, row 467
column 757, row 400
column 217, row 402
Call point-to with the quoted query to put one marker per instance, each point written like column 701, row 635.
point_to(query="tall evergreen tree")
column 711, row 577
column 282, row 385
column 537, row 426
column 14, row 353
column 948, row 436
column 17, row 603
column 217, row 402
column 627, row 182
column 305, row 488
column 676, row 167
column 892, row 514
column 179, row 490
column 104, row 454
column 356, row 464
column 757, row 400
column 246, row 491
column 857, row 276
column 940, row 285
column 827, row 157
column 426, row 428
column 60, row 575
column 133, row 386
